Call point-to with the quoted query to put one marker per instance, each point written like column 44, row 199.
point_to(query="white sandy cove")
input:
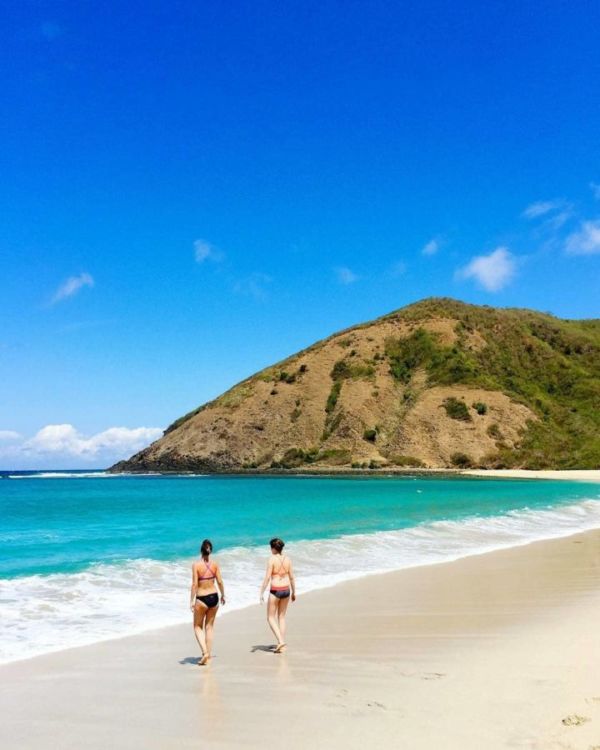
column 573, row 475
column 500, row 650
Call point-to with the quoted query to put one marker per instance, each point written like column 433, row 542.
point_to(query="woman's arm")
column 194, row 589
column 292, row 581
column 220, row 583
column 266, row 580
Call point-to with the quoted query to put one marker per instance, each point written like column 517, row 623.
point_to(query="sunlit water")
column 88, row 556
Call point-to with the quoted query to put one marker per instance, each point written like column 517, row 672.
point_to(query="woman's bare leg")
column 272, row 617
column 209, row 623
column 282, row 605
column 199, row 615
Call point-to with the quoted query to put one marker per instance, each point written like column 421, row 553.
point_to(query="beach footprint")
column 574, row 720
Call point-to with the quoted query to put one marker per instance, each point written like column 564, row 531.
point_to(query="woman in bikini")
column 283, row 586
column 204, row 599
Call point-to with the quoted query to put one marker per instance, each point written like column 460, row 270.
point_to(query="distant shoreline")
column 573, row 475
column 580, row 475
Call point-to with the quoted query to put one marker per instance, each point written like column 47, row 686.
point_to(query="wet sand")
column 494, row 651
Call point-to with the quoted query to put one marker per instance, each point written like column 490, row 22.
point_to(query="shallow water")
column 85, row 557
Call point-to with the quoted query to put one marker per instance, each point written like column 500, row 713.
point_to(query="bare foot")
column 279, row 648
column 204, row 660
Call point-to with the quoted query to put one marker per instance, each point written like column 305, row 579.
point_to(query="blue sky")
column 191, row 191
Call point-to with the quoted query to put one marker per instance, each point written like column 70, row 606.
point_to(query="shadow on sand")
column 190, row 660
column 254, row 649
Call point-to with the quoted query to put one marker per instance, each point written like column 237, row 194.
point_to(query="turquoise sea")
column 86, row 556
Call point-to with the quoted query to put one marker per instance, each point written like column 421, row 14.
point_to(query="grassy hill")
column 439, row 383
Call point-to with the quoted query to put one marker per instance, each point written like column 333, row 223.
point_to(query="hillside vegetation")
column 439, row 383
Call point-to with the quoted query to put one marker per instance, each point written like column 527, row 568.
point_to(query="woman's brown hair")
column 277, row 544
column 206, row 548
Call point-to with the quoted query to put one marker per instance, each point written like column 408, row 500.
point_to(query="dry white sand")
column 495, row 651
column 574, row 475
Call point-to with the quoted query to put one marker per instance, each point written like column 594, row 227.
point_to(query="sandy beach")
column 493, row 651
column 573, row 475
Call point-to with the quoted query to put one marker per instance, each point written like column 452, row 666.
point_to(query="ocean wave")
column 64, row 475
column 95, row 475
column 41, row 614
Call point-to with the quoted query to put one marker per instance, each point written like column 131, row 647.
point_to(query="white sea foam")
column 40, row 614
column 94, row 475
column 64, row 475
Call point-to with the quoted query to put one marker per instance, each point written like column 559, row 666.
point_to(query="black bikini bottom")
column 211, row 600
column 280, row 593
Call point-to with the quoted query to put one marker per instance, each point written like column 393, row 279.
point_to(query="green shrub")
column 370, row 435
column 456, row 409
column 234, row 396
column 334, row 394
column 480, row 408
column 331, row 425
column 461, row 460
column 340, row 370
column 335, row 456
column 406, row 461
column 406, row 354
column 343, row 370
column 295, row 457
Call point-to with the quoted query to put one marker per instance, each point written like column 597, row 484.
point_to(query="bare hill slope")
column 439, row 383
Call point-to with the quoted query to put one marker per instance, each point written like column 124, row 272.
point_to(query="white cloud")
column 595, row 188
column 345, row 275
column 10, row 436
column 204, row 250
column 253, row 285
column 71, row 286
column 64, row 439
column 62, row 445
column 559, row 219
column 585, row 240
column 541, row 208
column 493, row 271
column 431, row 247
